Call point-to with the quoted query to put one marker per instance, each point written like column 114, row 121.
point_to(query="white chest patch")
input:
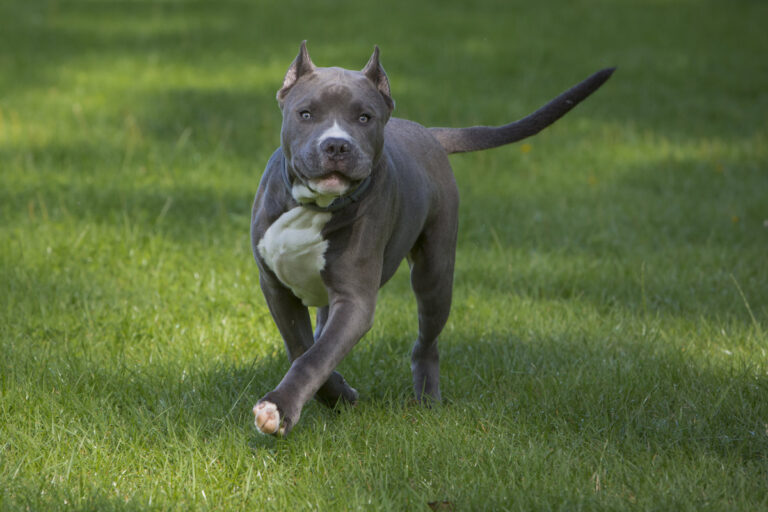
column 294, row 249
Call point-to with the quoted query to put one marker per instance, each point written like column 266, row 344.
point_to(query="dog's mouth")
column 331, row 184
column 322, row 185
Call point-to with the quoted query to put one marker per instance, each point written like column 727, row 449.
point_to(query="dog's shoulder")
column 272, row 198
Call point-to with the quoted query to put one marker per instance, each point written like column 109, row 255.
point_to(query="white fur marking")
column 267, row 418
column 303, row 194
column 294, row 248
column 335, row 131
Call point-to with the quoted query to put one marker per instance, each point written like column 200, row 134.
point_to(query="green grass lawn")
column 608, row 344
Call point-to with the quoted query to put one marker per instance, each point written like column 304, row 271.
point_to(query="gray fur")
column 409, row 209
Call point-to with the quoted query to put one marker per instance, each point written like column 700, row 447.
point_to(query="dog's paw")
column 335, row 391
column 268, row 418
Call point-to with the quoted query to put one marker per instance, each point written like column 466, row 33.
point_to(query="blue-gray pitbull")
column 349, row 194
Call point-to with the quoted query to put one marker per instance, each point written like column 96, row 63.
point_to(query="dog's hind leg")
column 432, row 262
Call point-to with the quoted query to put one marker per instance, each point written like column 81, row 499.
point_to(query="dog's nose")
column 335, row 147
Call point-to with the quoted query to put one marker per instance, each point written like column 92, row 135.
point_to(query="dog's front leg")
column 292, row 320
column 349, row 318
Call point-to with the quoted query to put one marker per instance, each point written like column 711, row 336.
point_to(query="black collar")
column 338, row 203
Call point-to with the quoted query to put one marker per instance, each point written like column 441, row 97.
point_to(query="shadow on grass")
column 237, row 123
column 637, row 398
column 675, row 237
column 704, row 211
column 695, row 80
column 48, row 37
column 626, row 390
column 587, row 392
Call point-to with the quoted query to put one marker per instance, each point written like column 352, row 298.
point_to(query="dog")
column 347, row 196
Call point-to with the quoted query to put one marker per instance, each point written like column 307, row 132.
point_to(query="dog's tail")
column 459, row 140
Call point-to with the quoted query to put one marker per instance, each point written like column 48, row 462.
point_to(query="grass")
column 607, row 346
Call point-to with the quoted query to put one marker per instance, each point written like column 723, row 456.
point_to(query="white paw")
column 268, row 418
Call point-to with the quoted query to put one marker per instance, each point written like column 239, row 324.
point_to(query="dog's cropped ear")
column 376, row 74
column 301, row 65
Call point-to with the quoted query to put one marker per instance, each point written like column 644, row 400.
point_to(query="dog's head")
column 333, row 123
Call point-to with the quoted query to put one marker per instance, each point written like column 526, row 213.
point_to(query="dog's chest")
column 294, row 249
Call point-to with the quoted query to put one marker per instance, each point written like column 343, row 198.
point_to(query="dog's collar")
column 338, row 203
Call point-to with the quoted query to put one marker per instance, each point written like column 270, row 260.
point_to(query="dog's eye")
column 305, row 115
column 364, row 118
